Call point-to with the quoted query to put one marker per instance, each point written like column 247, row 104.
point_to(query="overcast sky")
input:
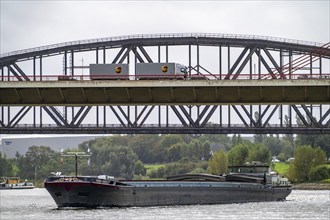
column 26, row 24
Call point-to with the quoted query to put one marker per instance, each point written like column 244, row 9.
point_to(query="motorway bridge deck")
column 197, row 92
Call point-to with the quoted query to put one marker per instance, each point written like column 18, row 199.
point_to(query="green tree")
column 218, row 164
column 6, row 167
column 206, row 150
column 274, row 145
column 236, row 139
column 305, row 158
column 121, row 163
column 160, row 152
column 145, row 147
column 238, row 155
column 174, row 152
column 140, row 169
column 40, row 160
column 315, row 140
column 216, row 139
column 259, row 152
column 286, row 150
column 195, row 149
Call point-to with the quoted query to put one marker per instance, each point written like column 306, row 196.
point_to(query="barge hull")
column 89, row 194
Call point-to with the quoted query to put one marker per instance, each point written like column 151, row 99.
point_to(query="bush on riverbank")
column 305, row 160
column 321, row 172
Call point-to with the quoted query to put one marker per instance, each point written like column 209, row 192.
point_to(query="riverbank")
column 311, row 186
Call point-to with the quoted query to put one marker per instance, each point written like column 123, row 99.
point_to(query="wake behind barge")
column 187, row 189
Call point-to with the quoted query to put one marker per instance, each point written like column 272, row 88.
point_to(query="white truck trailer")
column 109, row 71
column 160, row 71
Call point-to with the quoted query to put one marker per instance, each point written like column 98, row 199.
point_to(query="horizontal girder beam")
column 245, row 119
column 152, row 129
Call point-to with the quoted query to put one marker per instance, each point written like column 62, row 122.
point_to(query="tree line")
column 125, row 156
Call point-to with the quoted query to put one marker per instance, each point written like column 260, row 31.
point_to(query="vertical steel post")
column 135, row 120
column 189, row 113
column 128, row 115
column 311, row 65
column 166, row 53
column 189, row 59
column 159, row 116
column 198, row 114
column 259, row 116
column 259, row 65
column 290, row 64
column 66, row 113
column 2, row 114
column 250, row 60
column 65, row 63
column 40, row 69
column 229, row 116
column 34, row 68
column 40, row 115
column 104, row 116
column 197, row 57
column 281, row 60
column 97, row 55
column 251, row 113
column 97, row 116
column 220, row 61
column 135, row 61
column 72, row 113
column 281, row 115
column 8, row 115
column 320, row 66
column 72, row 63
column 220, row 116
column 166, row 115
column 228, row 61
column 34, row 116
column 104, row 54
column 290, row 115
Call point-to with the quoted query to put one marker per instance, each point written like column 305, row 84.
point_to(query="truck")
column 160, row 71
column 109, row 71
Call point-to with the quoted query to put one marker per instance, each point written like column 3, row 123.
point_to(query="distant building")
column 21, row 143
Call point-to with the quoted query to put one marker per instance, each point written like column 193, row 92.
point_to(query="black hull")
column 90, row 194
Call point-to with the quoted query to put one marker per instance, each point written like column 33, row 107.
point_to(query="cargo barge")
column 187, row 189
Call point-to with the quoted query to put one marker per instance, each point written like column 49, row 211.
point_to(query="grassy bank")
column 281, row 168
column 153, row 167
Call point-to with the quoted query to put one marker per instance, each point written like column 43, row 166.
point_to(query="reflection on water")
column 38, row 204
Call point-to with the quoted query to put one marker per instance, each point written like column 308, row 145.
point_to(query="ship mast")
column 76, row 155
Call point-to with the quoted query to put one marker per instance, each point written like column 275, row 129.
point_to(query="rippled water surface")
column 38, row 204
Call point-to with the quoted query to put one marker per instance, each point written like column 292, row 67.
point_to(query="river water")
column 37, row 204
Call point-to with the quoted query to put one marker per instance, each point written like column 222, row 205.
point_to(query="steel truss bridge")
column 245, row 84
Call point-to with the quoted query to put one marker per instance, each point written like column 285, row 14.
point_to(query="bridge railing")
column 298, row 76
column 155, row 36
